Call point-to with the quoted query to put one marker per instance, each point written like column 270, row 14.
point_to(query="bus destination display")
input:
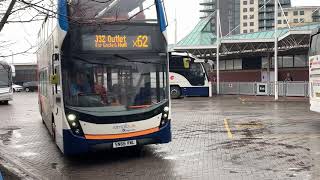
column 116, row 42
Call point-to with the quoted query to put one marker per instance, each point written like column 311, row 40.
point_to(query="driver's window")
column 195, row 69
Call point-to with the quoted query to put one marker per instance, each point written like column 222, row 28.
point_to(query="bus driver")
column 80, row 85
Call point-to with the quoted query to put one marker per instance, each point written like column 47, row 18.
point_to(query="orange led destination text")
column 108, row 41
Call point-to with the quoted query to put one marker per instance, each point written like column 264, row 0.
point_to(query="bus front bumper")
column 74, row 145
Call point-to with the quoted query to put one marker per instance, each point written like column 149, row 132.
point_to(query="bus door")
column 197, row 78
column 57, row 107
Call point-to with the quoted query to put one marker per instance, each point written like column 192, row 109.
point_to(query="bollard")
column 210, row 88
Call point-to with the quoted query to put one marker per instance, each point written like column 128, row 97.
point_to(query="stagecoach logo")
column 315, row 62
column 125, row 127
column 171, row 77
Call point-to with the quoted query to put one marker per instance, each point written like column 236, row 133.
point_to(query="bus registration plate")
column 120, row 144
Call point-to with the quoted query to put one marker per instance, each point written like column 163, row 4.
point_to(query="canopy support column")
column 218, row 47
column 276, row 83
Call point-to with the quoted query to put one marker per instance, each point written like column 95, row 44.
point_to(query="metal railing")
column 287, row 89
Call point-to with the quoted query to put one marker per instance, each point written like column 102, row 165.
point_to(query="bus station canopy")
column 203, row 44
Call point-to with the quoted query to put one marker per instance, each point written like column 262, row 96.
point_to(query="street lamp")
column 11, row 57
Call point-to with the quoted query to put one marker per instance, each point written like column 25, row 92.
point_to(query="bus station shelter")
column 203, row 44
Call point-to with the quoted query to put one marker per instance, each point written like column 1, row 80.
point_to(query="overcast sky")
column 187, row 12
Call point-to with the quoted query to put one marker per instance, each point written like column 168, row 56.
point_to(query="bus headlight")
column 165, row 115
column 73, row 121
column 77, row 131
column 72, row 117
column 74, row 124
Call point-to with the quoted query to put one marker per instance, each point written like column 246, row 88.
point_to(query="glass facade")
column 316, row 16
column 293, row 61
column 266, row 13
column 229, row 14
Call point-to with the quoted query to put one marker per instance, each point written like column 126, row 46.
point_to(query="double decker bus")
column 103, row 72
column 6, row 74
column 314, row 71
column 188, row 76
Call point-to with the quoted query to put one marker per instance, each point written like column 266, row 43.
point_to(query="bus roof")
column 183, row 54
column 315, row 31
column 196, row 59
column 5, row 65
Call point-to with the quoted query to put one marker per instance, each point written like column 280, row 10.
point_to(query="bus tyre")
column 175, row 92
column 53, row 126
column 42, row 117
column 27, row 90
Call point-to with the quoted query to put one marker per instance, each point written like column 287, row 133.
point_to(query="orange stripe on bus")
column 139, row 107
column 119, row 136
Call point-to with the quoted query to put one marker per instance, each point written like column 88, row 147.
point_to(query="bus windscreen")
column 4, row 78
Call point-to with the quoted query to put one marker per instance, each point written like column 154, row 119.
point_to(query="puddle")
column 6, row 134
column 28, row 154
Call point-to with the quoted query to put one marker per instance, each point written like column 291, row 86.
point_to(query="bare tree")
column 13, row 11
column 7, row 14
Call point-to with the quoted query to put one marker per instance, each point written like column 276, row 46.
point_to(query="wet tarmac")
column 213, row 138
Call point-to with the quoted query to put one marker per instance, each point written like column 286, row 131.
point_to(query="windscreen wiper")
column 106, row 9
column 87, row 94
column 129, row 60
column 115, row 55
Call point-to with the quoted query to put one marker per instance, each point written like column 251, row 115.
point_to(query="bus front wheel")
column 4, row 102
column 53, row 126
column 175, row 92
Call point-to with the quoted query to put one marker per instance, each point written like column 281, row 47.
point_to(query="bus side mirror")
column 55, row 57
column 54, row 79
column 13, row 71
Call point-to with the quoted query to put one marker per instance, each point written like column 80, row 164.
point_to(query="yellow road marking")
column 226, row 125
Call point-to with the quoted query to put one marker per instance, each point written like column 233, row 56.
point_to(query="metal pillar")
column 268, row 68
column 218, row 45
column 269, row 73
column 276, row 83
column 175, row 28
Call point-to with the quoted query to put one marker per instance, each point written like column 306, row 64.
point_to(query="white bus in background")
column 188, row 76
column 314, row 71
column 6, row 73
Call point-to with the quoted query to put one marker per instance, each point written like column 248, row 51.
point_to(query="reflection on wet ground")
column 269, row 141
column 7, row 133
